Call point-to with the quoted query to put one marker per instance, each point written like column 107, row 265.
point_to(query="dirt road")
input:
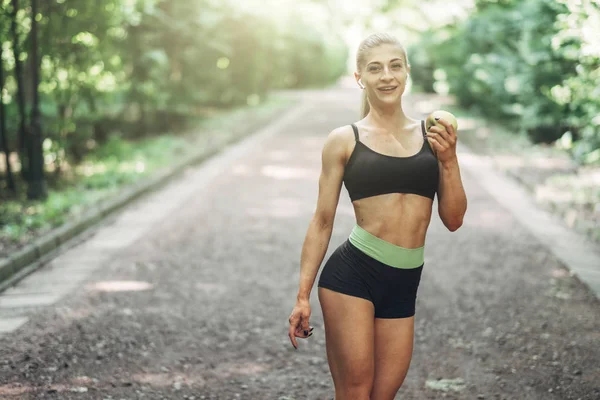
column 196, row 305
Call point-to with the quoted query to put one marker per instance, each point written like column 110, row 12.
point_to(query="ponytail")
column 365, row 107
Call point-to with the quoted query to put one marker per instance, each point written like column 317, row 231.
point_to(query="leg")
column 349, row 328
column 393, row 352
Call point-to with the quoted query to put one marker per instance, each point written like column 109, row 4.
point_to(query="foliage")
column 134, row 68
column 534, row 65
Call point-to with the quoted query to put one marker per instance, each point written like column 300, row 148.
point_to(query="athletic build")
column 392, row 169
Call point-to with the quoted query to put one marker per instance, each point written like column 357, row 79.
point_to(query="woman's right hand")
column 298, row 320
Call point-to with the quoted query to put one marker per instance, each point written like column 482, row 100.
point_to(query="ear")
column 408, row 69
column 357, row 77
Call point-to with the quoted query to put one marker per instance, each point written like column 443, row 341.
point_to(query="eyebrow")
column 377, row 62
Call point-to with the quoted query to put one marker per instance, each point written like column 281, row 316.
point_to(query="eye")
column 396, row 65
column 374, row 68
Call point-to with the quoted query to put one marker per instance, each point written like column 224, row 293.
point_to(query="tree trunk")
column 22, row 143
column 10, row 181
column 37, row 183
column 139, row 75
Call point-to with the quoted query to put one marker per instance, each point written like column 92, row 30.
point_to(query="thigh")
column 393, row 352
column 349, row 327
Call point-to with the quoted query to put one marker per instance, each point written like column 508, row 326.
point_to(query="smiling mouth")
column 387, row 89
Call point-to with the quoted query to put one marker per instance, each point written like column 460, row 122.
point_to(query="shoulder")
column 341, row 134
column 340, row 139
column 339, row 143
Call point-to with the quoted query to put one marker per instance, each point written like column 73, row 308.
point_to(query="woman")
column 392, row 169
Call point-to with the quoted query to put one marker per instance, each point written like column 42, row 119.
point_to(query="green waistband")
column 386, row 252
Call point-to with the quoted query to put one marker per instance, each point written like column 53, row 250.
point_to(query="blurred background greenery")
column 121, row 80
column 135, row 68
column 533, row 65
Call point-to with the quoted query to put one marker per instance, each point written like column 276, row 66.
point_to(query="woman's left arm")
column 452, row 200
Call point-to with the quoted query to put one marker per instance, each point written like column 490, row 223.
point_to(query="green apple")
column 445, row 115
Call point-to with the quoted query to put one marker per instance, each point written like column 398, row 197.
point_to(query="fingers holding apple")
column 441, row 129
column 434, row 117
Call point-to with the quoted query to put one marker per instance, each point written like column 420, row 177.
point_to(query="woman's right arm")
column 315, row 245
column 317, row 238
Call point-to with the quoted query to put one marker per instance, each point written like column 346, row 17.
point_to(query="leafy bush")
column 534, row 65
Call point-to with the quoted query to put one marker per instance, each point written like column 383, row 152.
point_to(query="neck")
column 390, row 119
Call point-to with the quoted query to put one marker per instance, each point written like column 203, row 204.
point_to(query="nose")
column 386, row 75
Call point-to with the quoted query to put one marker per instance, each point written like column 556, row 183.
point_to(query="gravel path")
column 498, row 317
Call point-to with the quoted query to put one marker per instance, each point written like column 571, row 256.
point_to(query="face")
column 384, row 74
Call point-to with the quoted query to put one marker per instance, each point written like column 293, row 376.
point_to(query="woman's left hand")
column 443, row 140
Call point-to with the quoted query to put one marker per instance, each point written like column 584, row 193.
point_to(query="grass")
column 114, row 165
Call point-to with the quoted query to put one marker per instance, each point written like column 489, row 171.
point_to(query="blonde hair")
column 372, row 41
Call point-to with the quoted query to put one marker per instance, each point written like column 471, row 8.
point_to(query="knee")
column 386, row 390
column 353, row 394
column 355, row 388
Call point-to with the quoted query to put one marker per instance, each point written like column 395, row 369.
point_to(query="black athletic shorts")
column 393, row 291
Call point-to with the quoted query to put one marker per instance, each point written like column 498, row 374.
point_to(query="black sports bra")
column 369, row 173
